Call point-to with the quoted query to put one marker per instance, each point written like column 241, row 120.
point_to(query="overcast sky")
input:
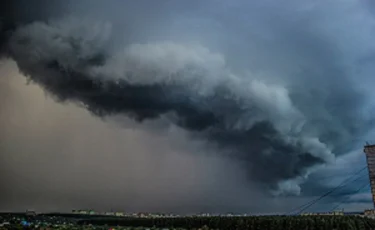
column 197, row 106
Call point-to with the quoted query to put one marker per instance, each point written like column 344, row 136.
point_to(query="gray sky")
column 305, row 69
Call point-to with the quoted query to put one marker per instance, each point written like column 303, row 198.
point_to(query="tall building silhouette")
column 370, row 156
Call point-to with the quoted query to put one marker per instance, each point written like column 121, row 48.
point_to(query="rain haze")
column 185, row 106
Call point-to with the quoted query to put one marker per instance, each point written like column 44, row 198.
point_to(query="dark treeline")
column 228, row 223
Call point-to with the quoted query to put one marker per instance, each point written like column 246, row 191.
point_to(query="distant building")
column 354, row 213
column 370, row 156
column 335, row 213
column 119, row 214
column 369, row 212
column 30, row 213
column 83, row 212
column 5, row 224
column 338, row 213
column 92, row 212
column 143, row 214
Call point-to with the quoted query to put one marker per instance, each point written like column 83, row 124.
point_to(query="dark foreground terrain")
column 61, row 221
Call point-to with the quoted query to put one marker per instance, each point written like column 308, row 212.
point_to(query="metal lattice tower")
column 370, row 156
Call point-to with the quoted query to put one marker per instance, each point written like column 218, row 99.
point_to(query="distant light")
column 25, row 223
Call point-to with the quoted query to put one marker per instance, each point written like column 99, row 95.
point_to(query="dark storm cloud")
column 120, row 166
column 309, row 109
column 222, row 115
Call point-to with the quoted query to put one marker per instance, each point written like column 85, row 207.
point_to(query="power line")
column 327, row 193
column 343, row 200
column 344, row 183
column 305, row 206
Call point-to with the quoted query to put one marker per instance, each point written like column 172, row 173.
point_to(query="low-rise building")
column 338, row 213
column 4, row 224
column 92, row 212
column 83, row 212
column 369, row 212
column 334, row 213
column 30, row 213
column 119, row 214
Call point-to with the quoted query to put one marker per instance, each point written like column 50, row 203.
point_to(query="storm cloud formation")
column 255, row 122
column 303, row 102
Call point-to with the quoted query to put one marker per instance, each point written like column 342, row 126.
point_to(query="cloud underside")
column 279, row 127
